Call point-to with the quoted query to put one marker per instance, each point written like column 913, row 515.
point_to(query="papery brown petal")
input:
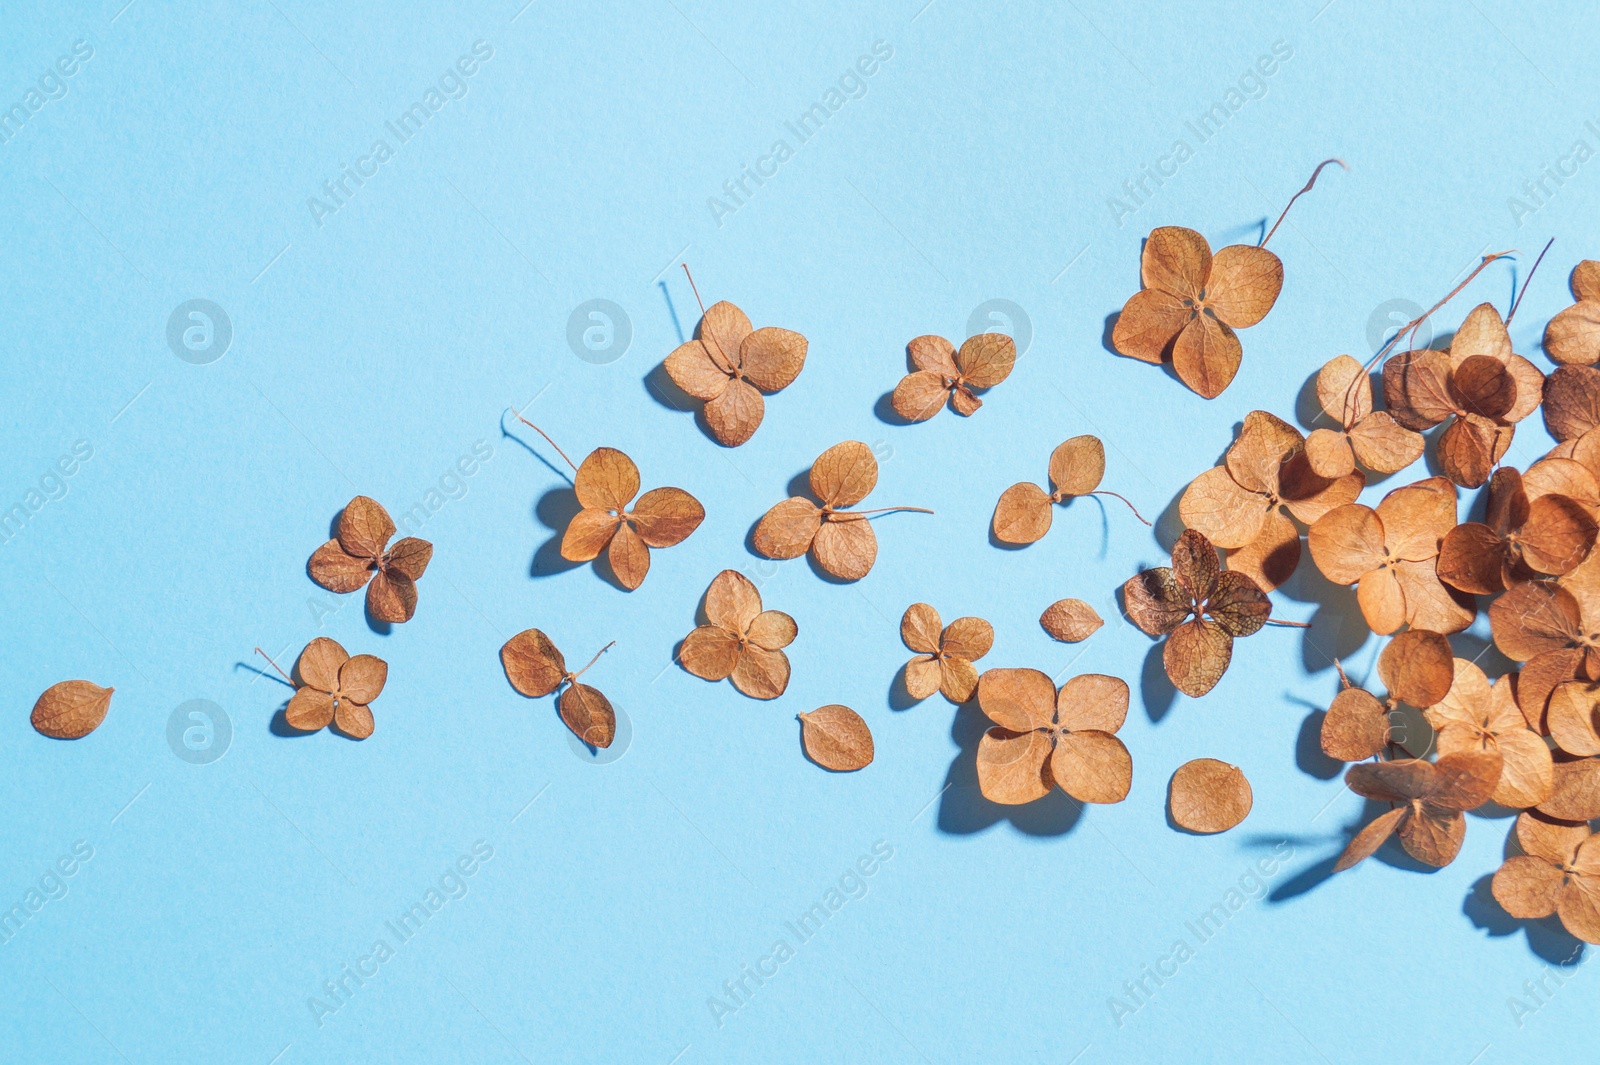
column 919, row 396
column 1023, row 514
column 1550, row 839
column 760, row 673
column 1344, row 390
column 1572, row 401
column 1416, row 388
column 1092, row 701
column 1272, row 557
column 1070, row 620
column 1557, row 536
column 1527, row 887
column 1206, row 356
column 1574, row 717
column 588, row 714
column 921, row 629
column 338, row 571
column 391, row 597
column 1428, row 603
column 629, row 557
column 1433, row 835
column 353, row 719
column 773, row 630
column 587, row 534
column 1579, row 906
column 836, row 738
column 986, row 359
column 1539, row 678
column 1530, row 388
column 1238, row 605
column 1077, row 465
column 1528, row 775
column 1397, row 781
column 1465, row 702
column 771, row 358
column 1534, row 617
column 606, row 480
column 1216, row 506
column 1195, row 564
column 786, row 531
column 1573, row 336
column 958, row 679
column 844, row 474
column 666, row 516
column 1483, row 333
column 1017, row 699
column 1309, row 496
column 1196, row 656
column 1369, row 839
column 734, row 416
column 846, row 548
column 1155, row 602
column 1208, row 796
column 1356, row 726
column 1382, row 603
column 692, row 369
column 1586, row 280
column 309, row 710
column 1011, row 766
column 71, row 709
column 364, row 527
column 1483, row 385
column 1575, row 795
column 1508, row 501
column 409, row 557
column 963, row 402
column 1464, row 780
column 1416, row 517
column 1417, row 668
column 970, row 638
column 709, row 652
column 1092, row 766
column 933, row 353
column 533, row 665
column 1329, row 453
column 1472, row 558
column 1563, row 476
column 1347, row 543
column 724, row 329
column 924, row 674
column 1265, row 443
column 1148, row 324
column 1466, row 450
column 1176, row 260
column 362, row 677
column 1244, row 284
column 1383, row 445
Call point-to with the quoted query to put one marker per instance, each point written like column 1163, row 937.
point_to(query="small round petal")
column 725, row 326
column 1586, row 280
column 1244, row 284
column 1176, row 260
column 1538, row 678
column 1356, row 726
column 409, row 557
column 1572, row 401
column 1383, row 445
column 337, row 570
column 1398, row 781
column 1472, row 558
column 709, row 652
column 760, row 673
column 1092, row 766
column 607, row 480
column 1216, row 506
column 921, row 629
column 771, row 358
column 588, row 714
column 365, row 527
column 1092, row 701
column 1464, row 780
column 693, row 369
column 1347, row 543
column 786, row 531
column 1017, row 699
column 1196, row 656
column 1416, row 388
column 1429, row 604
column 1418, row 669
column 392, row 597
column 1238, row 605
column 353, row 719
column 1466, row 450
column 735, row 415
column 1273, row 556
column 835, row 737
column 958, row 679
column 1533, row 618
column 1555, row 841
column 1416, row 517
column 1529, row 773
column 1155, row 601
column 666, row 516
column 1206, row 356
column 361, row 679
column 1382, row 603
column 934, row 354
column 629, row 557
column 1579, row 907
column 986, row 359
column 1309, row 496
column 1195, row 564
column 532, row 664
column 1482, row 332
column 844, row 474
column 588, row 533
column 309, row 710
column 1023, row 514
column 70, row 709
column 1563, row 476
column 1344, row 390
column 968, row 638
column 920, row 395
column 1575, row 794
column 1557, row 536
column 773, row 630
column 1483, row 385
column 1011, row 766
column 1574, row 717
column 846, row 548
column 1208, row 796
column 1432, row 835
column 1070, row 620
column 924, row 675
column 963, row 402
column 1329, row 453
column 319, row 664
column 1078, row 465
column 1530, row 388
column 1150, row 321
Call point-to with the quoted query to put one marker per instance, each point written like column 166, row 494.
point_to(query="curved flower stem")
column 726, row 363
column 1296, row 196
column 1528, row 281
column 274, row 665
column 1293, row 625
column 544, row 434
column 1108, row 492
column 1344, row 680
column 573, row 677
column 851, row 514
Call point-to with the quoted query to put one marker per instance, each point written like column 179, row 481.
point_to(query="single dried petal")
column 920, row 628
column 1383, row 445
column 607, row 480
column 1466, row 700
column 1529, row 773
column 337, row 570
column 1176, row 260
column 1356, row 726
column 1092, row 701
column 1092, row 766
column 1195, row 564
column 924, row 675
column 1575, row 794
column 1473, row 559
column 786, row 531
column 309, row 710
column 1464, row 780
column 1539, row 677
column 1416, row 388
column 1398, row 781
column 319, row 664
column 968, row 638
column 362, row 677
column 1155, row 601
column 771, row 358
column 409, row 557
column 846, row 548
column 1366, row 842
column 533, row 665
column 1579, row 903
column 1527, row 887
column 1483, row 385
column 693, row 369
column 1347, row 543
column 1017, row 699
column 1077, row 466
column 1070, row 620
column 1557, row 536
column 1011, row 765
column 844, row 474
column 963, row 402
column 1483, row 333
column 1428, row 603
column 1206, row 356
column 353, row 719
column 1554, row 841
column 1573, row 336
column 709, row 652
column 1418, row 668
column 1244, row 284
column 392, row 597
column 735, row 415
column 1574, row 717
column 1207, row 795
column 1530, row 388
column 921, row 395
column 1265, row 443
column 773, row 630
column 1586, row 280
column 1344, row 390
column 723, row 331
column 1023, row 514
column 1196, row 655
column 1309, row 496
column 364, row 527
column 1237, row 605
column 934, row 354
column 1216, row 506
column 1273, row 556
column 666, row 516
column 732, row 602
column 629, row 557
column 1382, row 603
column 958, row 679
column 71, row 709
column 1534, row 617
column 588, row 714
column 1563, row 476
column 1467, row 450
column 1432, row 835
column 1330, row 453
column 588, row 534
column 1148, row 324
column 1572, row 401
column 760, row 673
column 836, row 738
column 986, row 359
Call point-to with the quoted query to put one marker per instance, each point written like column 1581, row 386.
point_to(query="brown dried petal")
column 1207, row 795
column 1483, row 385
column 1238, row 605
column 1216, row 506
column 1382, row 602
column 1206, row 356
column 1530, row 388
column 735, row 414
column 1557, row 536
column 1092, row 766
column 1017, row 699
column 533, row 665
column 773, row 630
column 362, row 677
column 1575, row 795
column 1148, row 324
column 724, row 327
column 1077, row 466
column 1432, row 835
column 1092, row 701
column 1563, row 476
column 1428, row 603
column 1573, row 336
column 1273, row 556
column 732, row 602
column 934, row 354
column 1070, row 620
column 846, row 548
column 1464, row 780
column 1370, row 838
column 786, row 531
column 1416, row 517
column 409, row 557
column 1176, row 260
column 836, row 738
column 1574, row 717
column 1023, row 514
column 353, row 719
column 1527, row 887
column 319, row 664
column 1528, row 775
column 958, row 679
column 309, row 710
column 1534, row 617
column 986, row 359
column 921, row 629
column 666, row 516
column 1383, row 445
column 1195, row 564
column 1467, row 450
column 71, row 709
column 1309, row 496
column 1011, row 765
column 1417, row 668
column 364, row 527
column 629, row 557
column 1196, row 656
column 1572, row 401
column 1482, row 333
column 771, row 358
column 844, row 474
column 1554, row 841
column 709, row 652
column 963, row 402
column 919, row 396
column 1244, row 284
column 337, row 570
column 693, row 369
column 1344, row 390
column 1330, row 453
column 588, row 714
column 1347, row 543
column 1586, row 280
column 924, row 675
column 1356, row 726
column 968, row 638
column 587, row 534
column 392, row 597
column 1416, row 388
column 1397, row 781
column 1155, row 602
column 607, row 480
column 1472, row 558
column 1539, row 677
column 760, row 673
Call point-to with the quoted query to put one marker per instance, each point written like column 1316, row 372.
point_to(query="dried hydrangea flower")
column 1553, row 627
column 536, row 668
column 835, row 737
column 741, row 640
column 1557, row 872
column 1573, row 336
column 334, row 688
column 360, row 555
column 1024, row 512
column 1521, row 538
column 1417, row 669
column 945, row 653
column 941, row 373
column 1043, row 738
column 1473, row 716
column 1370, row 437
column 1430, row 798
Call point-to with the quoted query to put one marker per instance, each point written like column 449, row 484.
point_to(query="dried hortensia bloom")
column 835, row 737
column 1416, row 668
column 941, row 373
column 71, row 709
column 1023, row 514
column 334, row 688
column 741, row 640
column 729, row 365
column 1480, row 387
column 1200, row 608
column 1389, row 553
column 360, row 554
column 1557, row 872
column 535, row 669
column 1430, row 798
column 1370, row 437
column 840, row 541
column 1191, row 304
column 1473, row 716
column 1573, row 336
column 1240, row 505
column 1043, row 738
column 1520, row 539
column 945, row 653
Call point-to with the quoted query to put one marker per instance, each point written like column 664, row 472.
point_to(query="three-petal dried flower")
column 360, row 555
column 1430, row 798
column 729, row 365
column 1522, row 538
column 1473, row 716
column 740, row 639
column 1370, row 437
column 1417, row 669
column 1024, row 512
column 945, row 653
column 941, row 373
column 1043, row 738
column 1557, row 872
column 335, row 689
column 536, row 668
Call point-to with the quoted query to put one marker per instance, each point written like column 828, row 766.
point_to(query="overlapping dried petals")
column 1044, row 738
column 606, row 482
column 741, row 640
column 1473, row 716
column 941, row 373
column 728, row 366
column 944, row 655
column 1434, row 794
column 360, row 553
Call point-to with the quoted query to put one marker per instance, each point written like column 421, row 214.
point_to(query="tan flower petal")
column 1528, row 775
column 607, row 480
column 1244, row 284
column 1464, row 780
column 364, row 527
column 963, row 402
column 1428, row 603
column 1155, row 601
column 1579, row 907
column 919, row 396
column 1416, row 388
column 1382, row 602
column 1329, row 452
column 725, row 326
column 934, row 354
column 71, row 709
column 1418, row 669
column 409, row 557
column 666, row 516
column 836, row 738
column 1466, row 450
column 1563, row 476
column 760, row 673
column 844, row 474
column 1309, row 496
column 1208, row 796
column 732, row 602
column 1238, row 605
column 773, row 630
column 1196, row 655
column 1219, row 509
column 1530, row 388
column 1575, row 795
column 958, row 679
column 920, row 628
column 1574, row 717
column 1432, row 835
column 1356, row 726
column 1554, row 841
column 533, row 665
column 1483, row 385
column 1077, row 466
column 319, row 664
column 1397, row 781
column 846, row 548
column 1011, row 766
column 1092, row 766
column 1472, row 558
column 1369, row 839
column 1206, row 356
column 734, row 416
column 1347, row 543
column 309, row 710
column 587, row 534
column 629, row 557
column 353, row 719
column 1023, row 514
column 1092, row 701
column 1176, row 260
column 392, row 597
column 362, row 677
column 1557, row 535
column 986, row 359
column 1383, row 445
column 1586, row 280
column 969, row 638
column 1148, row 324
column 1572, row 401
column 1534, row 617
column 1070, row 620
column 1195, row 564
column 786, row 531
column 1273, row 556
column 1017, row 699
column 1482, row 332
column 1344, row 390
column 588, row 714
column 1466, row 700
column 771, row 358
column 924, row 674
column 338, row 571
column 1539, row 677
column 1265, row 443
column 693, row 369
column 709, row 652
column 1416, row 517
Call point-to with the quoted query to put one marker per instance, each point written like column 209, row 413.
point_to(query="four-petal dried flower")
column 335, row 689
column 1370, row 437
column 1042, row 738
column 945, row 653
column 1430, row 796
column 941, row 373
column 1557, row 872
column 1473, row 716
column 1521, row 538
column 360, row 554
column 741, row 640
column 729, row 365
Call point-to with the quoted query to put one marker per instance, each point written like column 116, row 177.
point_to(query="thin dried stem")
column 1528, row 281
column 1296, row 196
column 274, row 665
column 715, row 350
column 574, row 676
column 694, row 288
column 546, row 435
column 879, row 510
column 1108, row 492
column 1344, row 680
column 1293, row 625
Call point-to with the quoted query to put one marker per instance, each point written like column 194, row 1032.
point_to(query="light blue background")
column 372, row 351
